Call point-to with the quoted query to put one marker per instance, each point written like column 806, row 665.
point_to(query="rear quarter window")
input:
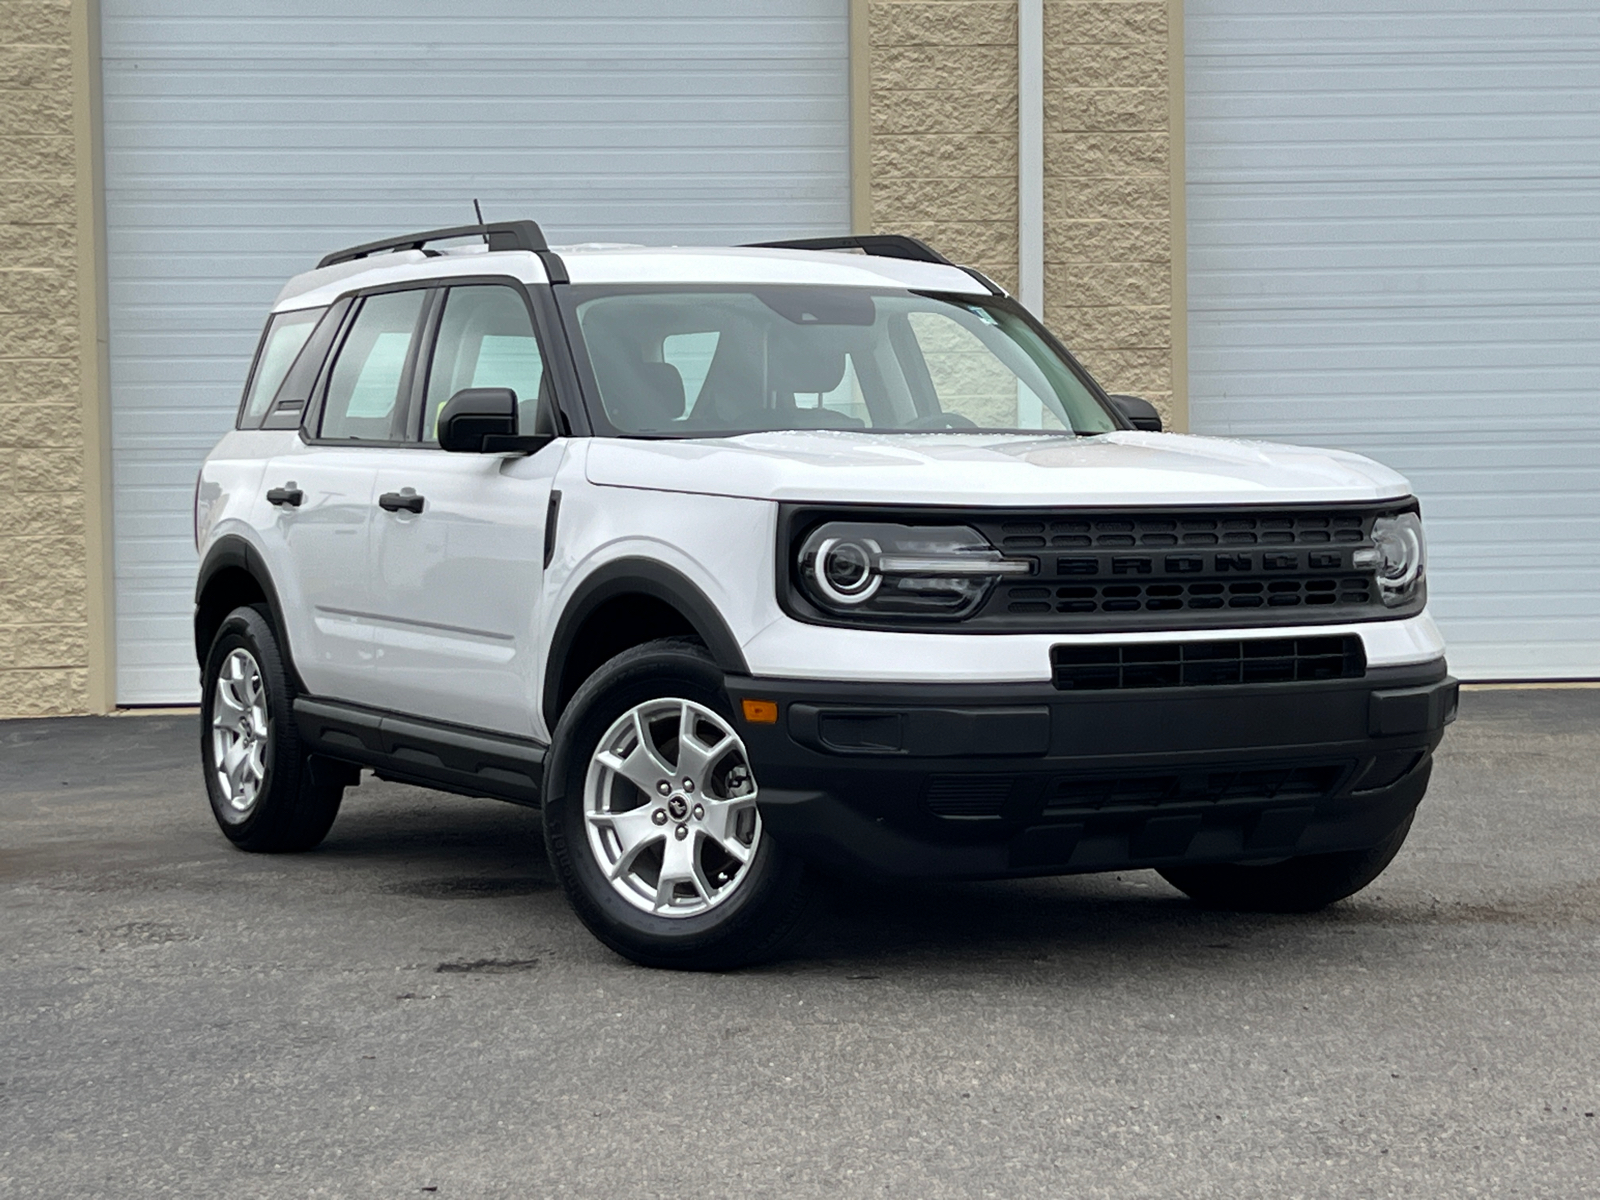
column 281, row 343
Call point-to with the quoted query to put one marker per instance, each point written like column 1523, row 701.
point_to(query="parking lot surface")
column 411, row 1010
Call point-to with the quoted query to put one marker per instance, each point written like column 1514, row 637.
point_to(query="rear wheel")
column 1295, row 885
column 267, row 793
column 651, row 821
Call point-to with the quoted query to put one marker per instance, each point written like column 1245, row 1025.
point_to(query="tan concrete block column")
column 936, row 147
column 942, row 122
column 49, row 510
column 1109, row 215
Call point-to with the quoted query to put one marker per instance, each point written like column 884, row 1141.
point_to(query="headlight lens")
column 858, row 568
column 1398, row 557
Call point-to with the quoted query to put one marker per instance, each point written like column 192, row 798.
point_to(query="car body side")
column 712, row 559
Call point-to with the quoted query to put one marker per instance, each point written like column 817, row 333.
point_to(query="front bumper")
column 995, row 780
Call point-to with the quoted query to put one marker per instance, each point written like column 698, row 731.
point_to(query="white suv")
column 751, row 563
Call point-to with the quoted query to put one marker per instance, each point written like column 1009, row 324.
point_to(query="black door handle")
column 400, row 501
column 291, row 495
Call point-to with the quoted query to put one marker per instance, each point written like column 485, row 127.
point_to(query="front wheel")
column 266, row 792
column 1295, row 885
column 651, row 822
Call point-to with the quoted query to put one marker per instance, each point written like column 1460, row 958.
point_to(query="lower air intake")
column 1208, row 663
column 969, row 796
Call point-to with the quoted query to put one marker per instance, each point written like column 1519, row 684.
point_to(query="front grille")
column 1196, row 597
column 1206, row 664
column 1186, row 529
column 1069, row 797
column 1182, row 568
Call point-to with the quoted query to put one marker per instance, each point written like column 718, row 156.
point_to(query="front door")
column 458, row 539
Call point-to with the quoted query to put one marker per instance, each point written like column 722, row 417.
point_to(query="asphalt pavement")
column 411, row 1010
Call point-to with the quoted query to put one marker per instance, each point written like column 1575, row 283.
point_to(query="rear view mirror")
column 1141, row 414
column 484, row 421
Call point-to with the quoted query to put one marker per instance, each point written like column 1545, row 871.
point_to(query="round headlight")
column 878, row 570
column 1397, row 557
column 845, row 569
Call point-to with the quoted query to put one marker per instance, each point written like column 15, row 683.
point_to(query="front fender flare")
column 643, row 576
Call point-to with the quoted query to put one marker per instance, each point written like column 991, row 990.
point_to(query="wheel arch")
column 659, row 601
column 232, row 575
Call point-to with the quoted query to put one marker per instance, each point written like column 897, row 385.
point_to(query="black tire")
column 298, row 795
column 772, row 898
column 1295, row 885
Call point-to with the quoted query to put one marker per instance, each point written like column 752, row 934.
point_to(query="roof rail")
column 502, row 235
column 879, row 245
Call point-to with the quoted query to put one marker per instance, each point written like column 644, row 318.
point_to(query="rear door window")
column 363, row 401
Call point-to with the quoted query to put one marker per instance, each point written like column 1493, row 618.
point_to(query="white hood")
column 1003, row 470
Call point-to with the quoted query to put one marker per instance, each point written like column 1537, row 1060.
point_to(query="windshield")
column 698, row 362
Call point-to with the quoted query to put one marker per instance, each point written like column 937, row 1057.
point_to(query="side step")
column 406, row 749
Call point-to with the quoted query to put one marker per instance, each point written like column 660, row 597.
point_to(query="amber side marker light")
column 761, row 712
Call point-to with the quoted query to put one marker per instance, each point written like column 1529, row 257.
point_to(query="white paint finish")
column 1394, row 247
column 731, row 265
column 724, row 546
column 319, row 557
column 456, row 603
column 654, row 264
column 240, row 146
column 1030, row 155
column 1131, row 468
column 789, row 649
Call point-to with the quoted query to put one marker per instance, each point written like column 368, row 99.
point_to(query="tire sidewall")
column 247, row 629
column 656, row 670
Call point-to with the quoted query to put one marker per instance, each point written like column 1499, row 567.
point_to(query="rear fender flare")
column 232, row 552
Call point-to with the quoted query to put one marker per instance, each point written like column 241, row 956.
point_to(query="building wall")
column 942, row 163
column 44, row 535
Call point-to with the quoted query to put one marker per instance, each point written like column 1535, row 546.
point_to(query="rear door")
column 318, row 546
column 458, row 539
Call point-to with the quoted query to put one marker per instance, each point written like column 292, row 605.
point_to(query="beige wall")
column 45, row 610
column 941, row 162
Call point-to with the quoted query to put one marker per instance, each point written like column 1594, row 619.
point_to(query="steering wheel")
column 942, row 420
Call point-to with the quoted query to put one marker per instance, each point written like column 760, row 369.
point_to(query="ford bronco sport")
column 748, row 563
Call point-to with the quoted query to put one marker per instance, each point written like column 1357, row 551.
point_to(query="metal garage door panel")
column 241, row 146
column 1394, row 247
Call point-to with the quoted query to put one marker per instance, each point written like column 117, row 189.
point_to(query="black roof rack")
column 502, row 235
column 879, row 245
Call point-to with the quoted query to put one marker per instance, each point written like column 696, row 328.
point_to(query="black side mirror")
column 484, row 421
column 1141, row 414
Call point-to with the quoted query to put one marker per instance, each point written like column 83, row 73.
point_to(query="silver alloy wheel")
column 240, row 730
column 670, row 806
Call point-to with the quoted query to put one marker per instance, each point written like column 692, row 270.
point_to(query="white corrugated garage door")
column 243, row 141
column 1394, row 247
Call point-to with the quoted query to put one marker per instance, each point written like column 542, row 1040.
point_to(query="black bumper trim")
column 993, row 780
